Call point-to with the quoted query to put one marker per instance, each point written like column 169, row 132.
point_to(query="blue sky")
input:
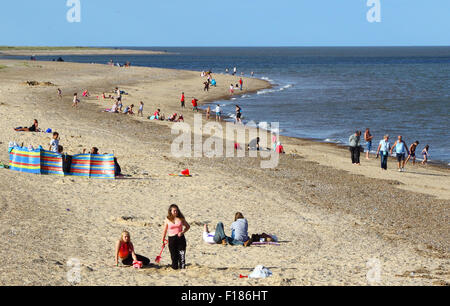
column 225, row 23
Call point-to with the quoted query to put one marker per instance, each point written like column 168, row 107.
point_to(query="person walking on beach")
column 384, row 147
column 234, row 71
column 368, row 138
column 231, row 89
column 182, row 100
column 354, row 142
column 208, row 112
column 59, row 93
column 75, row 100
column 206, row 88
column 241, row 82
column 125, row 252
column 194, row 105
column 218, row 113
column 412, row 152
column 425, row 155
column 400, row 151
column 141, row 109
column 238, row 114
column 176, row 226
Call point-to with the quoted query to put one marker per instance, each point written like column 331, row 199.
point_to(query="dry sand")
column 332, row 218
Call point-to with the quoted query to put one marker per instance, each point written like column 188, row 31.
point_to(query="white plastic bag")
column 260, row 272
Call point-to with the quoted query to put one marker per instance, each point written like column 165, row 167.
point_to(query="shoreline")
column 343, row 214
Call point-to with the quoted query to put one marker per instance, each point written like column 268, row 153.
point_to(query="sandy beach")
column 333, row 219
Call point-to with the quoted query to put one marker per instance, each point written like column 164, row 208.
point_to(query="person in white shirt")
column 208, row 237
column 218, row 113
column 384, row 147
column 54, row 143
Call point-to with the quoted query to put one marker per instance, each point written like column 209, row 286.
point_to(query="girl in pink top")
column 175, row 225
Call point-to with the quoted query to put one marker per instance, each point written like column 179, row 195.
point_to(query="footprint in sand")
column 133, row 221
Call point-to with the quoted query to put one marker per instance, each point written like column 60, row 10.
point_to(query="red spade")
column 242, row 276
column 185, row 172
column 158, row 258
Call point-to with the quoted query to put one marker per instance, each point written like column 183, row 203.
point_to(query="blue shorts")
column 218, row 114
column 400, row 157
column 369, row 146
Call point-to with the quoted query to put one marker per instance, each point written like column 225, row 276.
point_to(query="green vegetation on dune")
column 3, row 67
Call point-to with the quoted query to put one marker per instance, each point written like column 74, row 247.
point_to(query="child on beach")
column 238, row 114
column 141, row 109
column 125, row 252
column 208, row 112
column 176, row 226
column 59, row 93
column 231, row 89
column 194, row 105
column 425, row 155
column 75, row 100
column 54, row 143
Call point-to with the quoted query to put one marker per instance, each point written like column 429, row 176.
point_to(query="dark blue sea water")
column 327, row 93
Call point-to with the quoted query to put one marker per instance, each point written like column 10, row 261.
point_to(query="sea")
column 326, row 93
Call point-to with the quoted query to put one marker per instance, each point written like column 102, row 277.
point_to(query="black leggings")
column 129, row 260
column 177, row 248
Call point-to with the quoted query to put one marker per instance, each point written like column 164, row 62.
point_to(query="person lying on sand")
column 173, row 117
column 33, row 128
column 125, row 252
column 208, row 236
column 239, row 232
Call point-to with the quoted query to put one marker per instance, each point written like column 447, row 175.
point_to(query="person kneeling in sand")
column 239, row 232
column 125, row 252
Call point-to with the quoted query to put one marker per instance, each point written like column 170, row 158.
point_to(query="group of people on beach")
column 173, row 234
column 403, row 153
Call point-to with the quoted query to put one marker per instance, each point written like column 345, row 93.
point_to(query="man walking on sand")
column 368, row 138
column 241, row 82
column 354, row 142
column 400, row 150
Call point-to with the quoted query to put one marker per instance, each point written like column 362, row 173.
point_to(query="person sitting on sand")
column 86, row 93
column 33, row 128
column 125, row 252
column 173, row 117
column 239, row 232
column 180, row 118
column 129, row 110
column 208, row 237
column 93, row 150
column 279, row 149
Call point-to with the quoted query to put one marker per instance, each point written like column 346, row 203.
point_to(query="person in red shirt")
column 182, row 100
column 194, row 105
column 241, row 83
column 125, row 252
